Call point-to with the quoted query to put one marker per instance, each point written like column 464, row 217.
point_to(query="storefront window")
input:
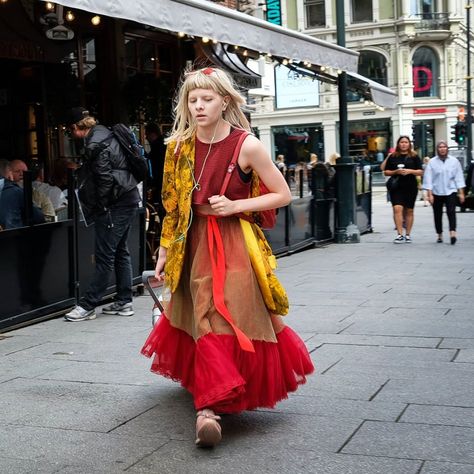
column 149, row 67
column 296, row 143
column 425, row 73
column 369, row 141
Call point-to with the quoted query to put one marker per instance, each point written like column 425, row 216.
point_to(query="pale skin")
column 205, row 107
column 398, row 210
column 442, row 151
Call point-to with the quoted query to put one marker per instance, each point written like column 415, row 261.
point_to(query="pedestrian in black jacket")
column 109, row 197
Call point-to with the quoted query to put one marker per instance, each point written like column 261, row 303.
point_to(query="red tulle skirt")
column 194, row 344
column 223, row 377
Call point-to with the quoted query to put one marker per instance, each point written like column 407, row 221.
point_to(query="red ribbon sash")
column 216, row 251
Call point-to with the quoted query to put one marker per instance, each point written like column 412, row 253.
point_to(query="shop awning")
column 205, row 19
column 380, row 94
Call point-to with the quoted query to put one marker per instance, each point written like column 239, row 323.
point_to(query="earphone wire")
column 196, row 182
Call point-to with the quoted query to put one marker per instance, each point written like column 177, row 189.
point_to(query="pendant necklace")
column 197, row 184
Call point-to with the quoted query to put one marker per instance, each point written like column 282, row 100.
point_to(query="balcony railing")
column 432, row 21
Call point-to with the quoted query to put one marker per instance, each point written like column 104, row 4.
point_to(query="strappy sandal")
column 208, row 430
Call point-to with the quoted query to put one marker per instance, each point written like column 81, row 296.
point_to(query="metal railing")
column 433, row 21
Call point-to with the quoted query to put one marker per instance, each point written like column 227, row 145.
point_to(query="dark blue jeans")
column 111, row 252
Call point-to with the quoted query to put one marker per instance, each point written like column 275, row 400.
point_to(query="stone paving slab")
column 446, row 468
column 405, row 327
column 270, row 459
column 466, row 355
column 329, row 406
column 413, row 441
column 137, row 373
column 394, row 355
column 72, row 406
column 385, row 313
column 439, row 415
column 91, row 452
column 388, row 341
column 349, row 386
column 12, row 368
column 84, row 352
column 451, row 343
column 435, row 390
column 28, row 466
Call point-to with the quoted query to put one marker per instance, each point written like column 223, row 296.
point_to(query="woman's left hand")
column 222, row 206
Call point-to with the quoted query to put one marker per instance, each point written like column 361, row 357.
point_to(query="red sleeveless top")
column 216, row 168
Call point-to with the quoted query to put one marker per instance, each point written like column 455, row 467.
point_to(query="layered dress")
column 217, row 336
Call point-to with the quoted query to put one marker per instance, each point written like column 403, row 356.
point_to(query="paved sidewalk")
column 391, row 331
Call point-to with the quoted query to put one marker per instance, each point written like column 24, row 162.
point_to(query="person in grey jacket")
column 444, row 181
column 109, row 198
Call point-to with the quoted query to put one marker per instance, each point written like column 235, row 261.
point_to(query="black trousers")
column 438, row 203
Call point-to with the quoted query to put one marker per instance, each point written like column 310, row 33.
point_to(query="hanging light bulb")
column 285, row 62
column 205, row 39
column 70, row 16
column 181, row 34
column 3, row 1
column 49, row 6
column 95, row 20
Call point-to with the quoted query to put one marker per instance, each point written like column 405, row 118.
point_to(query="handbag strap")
column 232, row 163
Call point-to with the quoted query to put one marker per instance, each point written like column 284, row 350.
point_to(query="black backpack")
column 133, row 150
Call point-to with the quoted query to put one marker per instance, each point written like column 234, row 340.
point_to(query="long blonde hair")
column 217, row 80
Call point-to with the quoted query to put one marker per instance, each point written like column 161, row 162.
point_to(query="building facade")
column 417, row 48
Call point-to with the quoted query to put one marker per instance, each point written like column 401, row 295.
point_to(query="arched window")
column 373, row 66
column 425, row 73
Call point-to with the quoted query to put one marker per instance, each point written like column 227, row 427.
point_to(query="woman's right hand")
column 160, row 264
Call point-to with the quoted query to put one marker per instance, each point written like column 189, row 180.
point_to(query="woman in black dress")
column 402, row 167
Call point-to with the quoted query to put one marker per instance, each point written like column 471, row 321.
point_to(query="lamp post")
column 468, row 85
column 346, row 230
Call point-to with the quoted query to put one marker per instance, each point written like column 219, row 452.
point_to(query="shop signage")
column 369, row 112
column 273, row 14
column 23, row 50
column 433, row 110
column 422, row 79
column 293, row 89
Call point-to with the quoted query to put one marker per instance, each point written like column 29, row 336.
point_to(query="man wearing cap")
column 109, row 197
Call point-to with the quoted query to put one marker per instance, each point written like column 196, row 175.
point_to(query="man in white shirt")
column 444, row 180
column 58, row 198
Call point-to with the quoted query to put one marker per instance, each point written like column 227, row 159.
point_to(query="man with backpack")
column 108, row 197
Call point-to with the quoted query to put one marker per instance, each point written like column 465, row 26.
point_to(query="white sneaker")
column 399, row 239
column 80, row 314
column 119, row 309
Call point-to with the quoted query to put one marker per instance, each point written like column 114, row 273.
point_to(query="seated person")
column 12, row 202
column 54, row 193
column 40, row 199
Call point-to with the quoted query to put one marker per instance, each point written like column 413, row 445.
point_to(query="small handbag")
column 392, row 183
